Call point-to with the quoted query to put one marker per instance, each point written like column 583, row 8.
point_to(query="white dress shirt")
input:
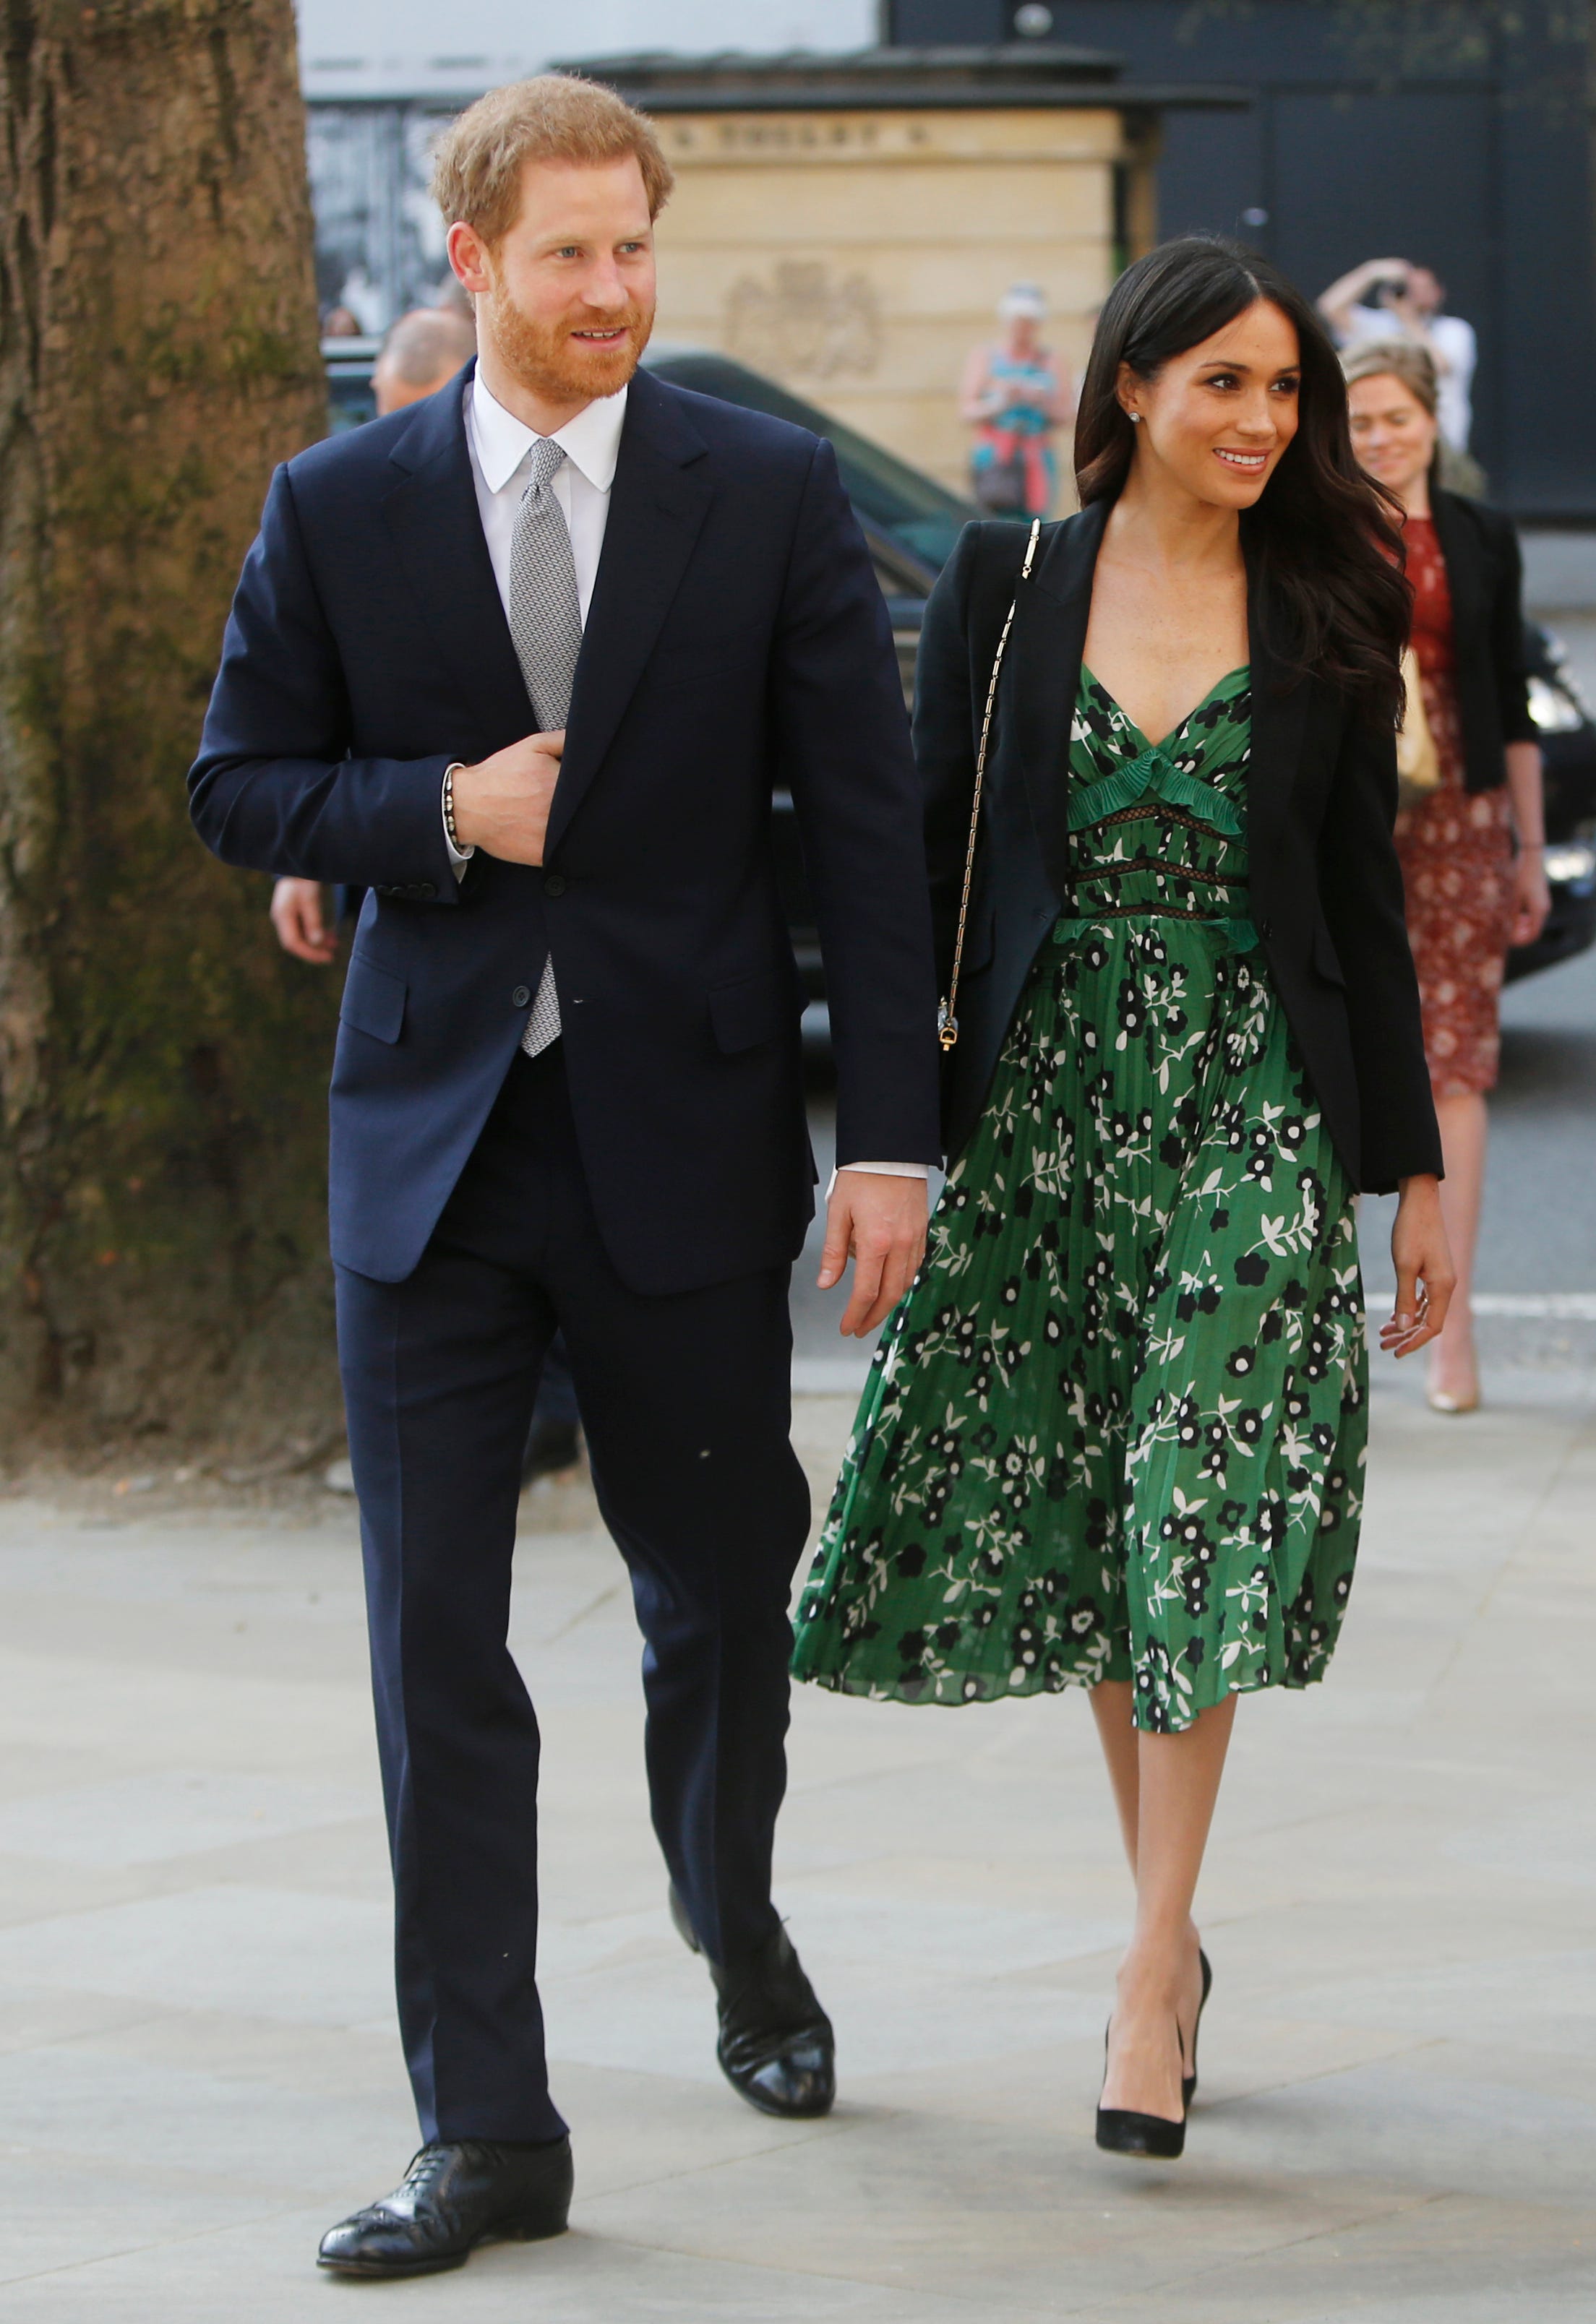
column 499, row 445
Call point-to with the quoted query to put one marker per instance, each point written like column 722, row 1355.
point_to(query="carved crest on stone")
column 801, row 322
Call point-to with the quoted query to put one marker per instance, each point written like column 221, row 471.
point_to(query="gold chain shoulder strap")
column 948, row 1023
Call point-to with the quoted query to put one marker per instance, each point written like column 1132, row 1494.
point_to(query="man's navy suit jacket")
column 736, row 642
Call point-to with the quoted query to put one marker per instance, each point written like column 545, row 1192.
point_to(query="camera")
column 1386, row 290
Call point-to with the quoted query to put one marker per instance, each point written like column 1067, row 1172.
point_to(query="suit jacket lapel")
column 1279, row 717
column 437, row 536
column 658, row 504
column 1045, row 647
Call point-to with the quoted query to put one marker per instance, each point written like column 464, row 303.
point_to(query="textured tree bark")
column 163, row 1066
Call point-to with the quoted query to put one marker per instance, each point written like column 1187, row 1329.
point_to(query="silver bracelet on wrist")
column 448, row 808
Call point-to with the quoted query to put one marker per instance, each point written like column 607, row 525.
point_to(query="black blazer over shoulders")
column 737, row 641
column 1485, row 574
column 1325, row 884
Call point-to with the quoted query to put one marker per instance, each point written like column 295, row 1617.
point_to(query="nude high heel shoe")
column 1440, row 1400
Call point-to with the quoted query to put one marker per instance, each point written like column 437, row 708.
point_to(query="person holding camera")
column 1389, row 299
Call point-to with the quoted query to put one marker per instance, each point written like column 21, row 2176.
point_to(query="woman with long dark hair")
column 1114, row 1436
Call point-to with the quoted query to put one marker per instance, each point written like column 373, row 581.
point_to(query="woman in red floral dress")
column 1471, row 849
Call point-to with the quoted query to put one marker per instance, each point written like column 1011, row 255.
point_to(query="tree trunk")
column 162, row 1065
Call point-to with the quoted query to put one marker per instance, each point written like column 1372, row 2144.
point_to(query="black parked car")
column 1568, row 746
column 349, row 364
column 912, row 524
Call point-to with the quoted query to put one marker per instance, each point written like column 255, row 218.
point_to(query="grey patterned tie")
column 545, row 627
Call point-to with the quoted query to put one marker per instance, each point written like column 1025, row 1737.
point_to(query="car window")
column 348, row 366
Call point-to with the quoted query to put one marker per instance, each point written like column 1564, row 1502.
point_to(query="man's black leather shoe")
column 455, row 2195
column 776, row 2048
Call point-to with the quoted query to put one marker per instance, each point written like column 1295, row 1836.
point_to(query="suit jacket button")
column 554, row 885
column 425, row 890
column 521, row 995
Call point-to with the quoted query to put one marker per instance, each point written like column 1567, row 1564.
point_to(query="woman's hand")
column 1532, row 898
column 1425, row 1272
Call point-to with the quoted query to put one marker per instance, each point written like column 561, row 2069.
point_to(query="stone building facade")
column 847, row 225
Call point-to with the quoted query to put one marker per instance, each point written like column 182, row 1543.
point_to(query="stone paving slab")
column 198, row 2068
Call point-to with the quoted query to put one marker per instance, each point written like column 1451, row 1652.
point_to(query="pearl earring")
column 1135, row 418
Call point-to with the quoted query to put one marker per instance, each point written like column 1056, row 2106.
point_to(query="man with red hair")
column 528, row 661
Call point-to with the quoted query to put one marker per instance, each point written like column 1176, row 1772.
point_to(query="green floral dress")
column 1116, row 1430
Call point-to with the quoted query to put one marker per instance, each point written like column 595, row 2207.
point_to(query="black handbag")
column 999, row 484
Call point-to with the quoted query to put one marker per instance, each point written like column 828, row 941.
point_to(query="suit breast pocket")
column 373, row 1001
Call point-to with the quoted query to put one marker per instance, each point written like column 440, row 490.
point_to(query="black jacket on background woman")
column 1327, row 891
column 1485, row 576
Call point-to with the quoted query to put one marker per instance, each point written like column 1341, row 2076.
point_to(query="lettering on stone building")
column 802, row 134
column 800, row 322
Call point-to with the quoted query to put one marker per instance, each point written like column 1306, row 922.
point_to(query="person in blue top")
column 1015, row 395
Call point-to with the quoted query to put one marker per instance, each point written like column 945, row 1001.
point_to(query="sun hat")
column 1022, row 300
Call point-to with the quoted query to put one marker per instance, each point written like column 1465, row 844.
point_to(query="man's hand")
column 882, row 1221
column 301, row 930
column 503, row 804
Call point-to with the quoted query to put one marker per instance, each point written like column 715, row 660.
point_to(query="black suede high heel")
column 1120, row 2130
column 1188, row 2082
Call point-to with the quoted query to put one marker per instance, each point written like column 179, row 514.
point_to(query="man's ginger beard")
column 548, row 361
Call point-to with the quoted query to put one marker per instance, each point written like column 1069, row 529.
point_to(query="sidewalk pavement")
column 199, row 2071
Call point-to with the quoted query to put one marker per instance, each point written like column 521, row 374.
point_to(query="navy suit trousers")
column 686, row 1402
